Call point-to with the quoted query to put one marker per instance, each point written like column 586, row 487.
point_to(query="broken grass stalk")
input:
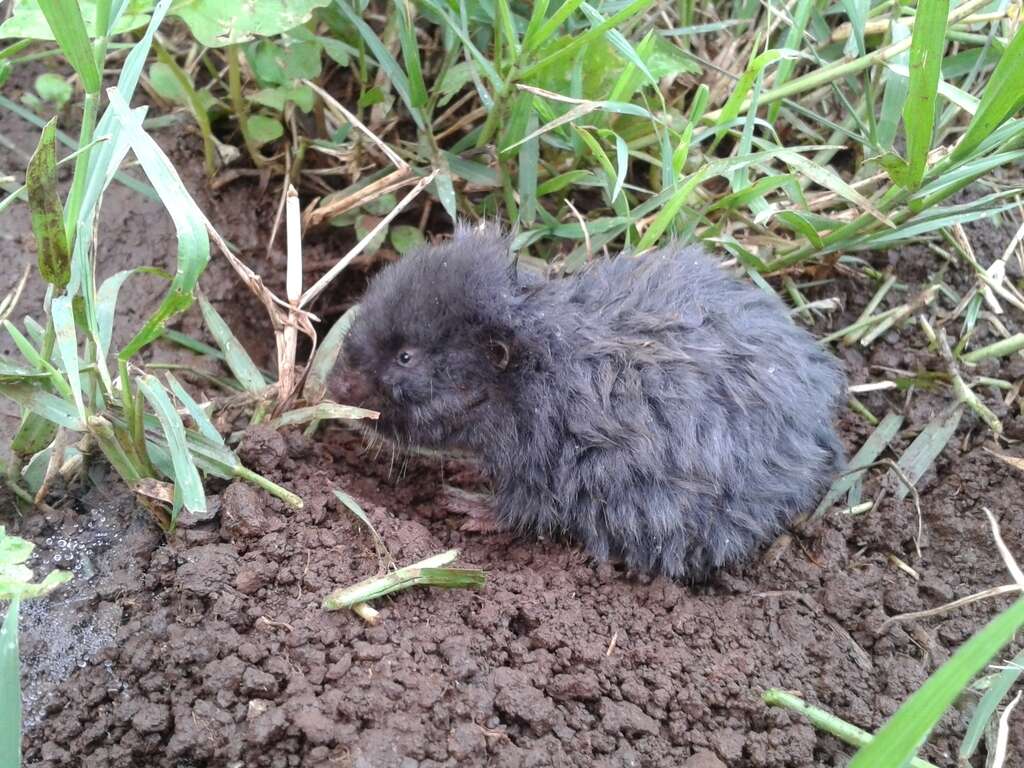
column 826, row 721
column 430, row 572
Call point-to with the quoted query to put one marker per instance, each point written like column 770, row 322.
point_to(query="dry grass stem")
column 318, row 287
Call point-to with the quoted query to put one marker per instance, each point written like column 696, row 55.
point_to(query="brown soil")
column 209, row 647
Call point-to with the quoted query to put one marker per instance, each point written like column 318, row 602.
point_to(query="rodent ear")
column 498, row 353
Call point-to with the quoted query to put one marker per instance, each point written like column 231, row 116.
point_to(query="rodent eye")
column 405, row 357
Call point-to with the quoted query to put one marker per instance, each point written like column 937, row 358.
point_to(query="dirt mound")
column 224, row 657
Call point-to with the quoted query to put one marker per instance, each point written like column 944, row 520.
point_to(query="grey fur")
column 653, row 408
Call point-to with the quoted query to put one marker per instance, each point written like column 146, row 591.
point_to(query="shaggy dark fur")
column 653, row 408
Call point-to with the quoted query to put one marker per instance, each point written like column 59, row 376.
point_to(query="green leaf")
column 106, row 307
column 405, row 238
column 67, row 346
column 986, row 708
column 731, row 109
column 621, row 165
column 28, row 21
column 238, row 360
column 186, row 476
column 166, row 84
column 1003, row 95
column 65, row 20
column 47, row 212
column 216, row 23
column 198, row 415
column 902, row 735
column 33, row 435
column 869, row 451
column 895, row 93
column 39, row 401
column 926, row 447
column 10, row 688
column 529, row 160
column 264, row 129
column 927, row 43
column 384, row 58
column 15, row 578
column 411, row 53
column 326, row 356
column 857, row 10
column 301, row 96
column 54, row 89
column 598, row 30
column 668, row 213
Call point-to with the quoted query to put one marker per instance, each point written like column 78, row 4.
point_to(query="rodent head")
column 432, row 346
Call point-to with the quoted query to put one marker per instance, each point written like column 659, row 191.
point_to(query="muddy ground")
column 209, row 647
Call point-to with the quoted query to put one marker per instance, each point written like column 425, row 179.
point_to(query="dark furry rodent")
column 653, row 408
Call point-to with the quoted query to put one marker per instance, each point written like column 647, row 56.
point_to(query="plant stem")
column 239, row 106
column 429, row 572
column 74, row 201
column 827, row 722
column 998, row 349
column 269, row 486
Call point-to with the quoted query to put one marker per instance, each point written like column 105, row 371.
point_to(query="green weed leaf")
column 264, row 129
column 216, row 23
column 46, row 210
column 54, row 89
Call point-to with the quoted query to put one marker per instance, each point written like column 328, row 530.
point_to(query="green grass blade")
column 411, row 54
column 186, row 476
column 731, row 109
column 926, row 447
column 621, row 165
column 508, row 28
column 672, row 207
column 19, row 193
column 894, row 95
column 794, row 37
column 67, row 346
column 529, row 161
column 987, row 706
column 384, row 58
column 1003, row 95
column 33, row 356
column 198, row 415
column 621, row 44
column 106, row 307
column 869, row 451
column 830, row 180
column 238, row 360
column 10, row 688
column 39, row 401
column 189, row 223
column 47, row 213
column 901, row 737
column 927, row 42
column 538, row 14
column 326, row 357
column 631, row 10
column 546, row 29
column 68, row 27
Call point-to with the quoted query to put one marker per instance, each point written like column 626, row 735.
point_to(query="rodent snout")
column 352, row 388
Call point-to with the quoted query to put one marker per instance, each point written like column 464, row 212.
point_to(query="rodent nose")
column 351, row 388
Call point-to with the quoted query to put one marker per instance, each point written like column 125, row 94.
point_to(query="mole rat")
column 653, row 408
